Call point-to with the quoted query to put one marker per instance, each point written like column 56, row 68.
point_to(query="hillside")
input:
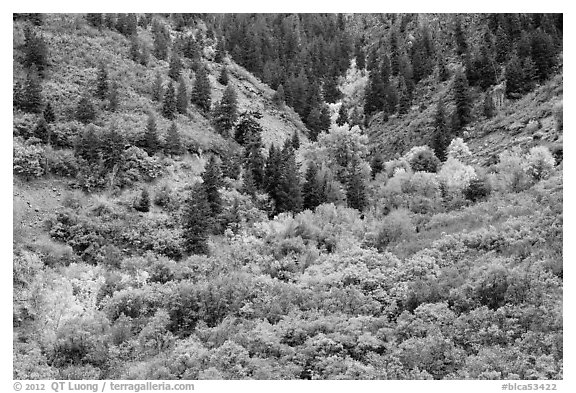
column 349, row 204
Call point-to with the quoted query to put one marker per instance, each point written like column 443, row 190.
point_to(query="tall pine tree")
column 169, row 104
column 226, row 112
column 201, row 92
column 196, row 221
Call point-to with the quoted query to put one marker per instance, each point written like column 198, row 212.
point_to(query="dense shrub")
column 62, row 162
column 28, row 160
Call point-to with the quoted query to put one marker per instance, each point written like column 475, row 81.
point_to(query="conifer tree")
column 255, row 163
column 461, row 101
column 49, row 114
column 212, row 181
column 169, row 104
column 542, row 49
column 201, row 92
column 151, row 141
column 85, row 111
column 289, row 196
column 248, row 130
column 295, row 140
column 35, row 51
column 226, row 112
column 488, row 106
column 404, row 96
column 175, row 66
column 112, row 147
column 220, row 51
column 460, row 38
column 161, row 42
column 42, row 130
column 182, row 97
column 135, row 49
column 360, row 56
column 142, row 204
column 173, row 145
column 377, row 164
column 375, row 93
column 272, row 173
column 342, row 116
column 88, row 145
column 31, row 98
column 312, row 190
column 441, row 137
column 95, row 20
column 443, row 73
column 355, row 188
column 279, row 98
column 514, row 77
column 196, row 221
column 102, row 82
column 157, row 90
column 113, row 97
column 223, row 77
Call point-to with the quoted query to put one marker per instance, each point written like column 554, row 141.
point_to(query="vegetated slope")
column 527, row 122
column 424, row 270
column 76, row 49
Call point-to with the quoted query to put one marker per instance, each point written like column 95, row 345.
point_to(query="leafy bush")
column 539, row 163
column 62, row 162
column 137, row 166
column 478, row 189
column 456, row 176
column 28, row 160
column 458, row 149
column 395, row 226
column 422, row 159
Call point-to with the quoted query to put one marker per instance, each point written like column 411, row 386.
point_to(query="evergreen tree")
column 461, row 100
column 530, row 74
column 201, row 92
column 377, row 164
column 31, row 98
column 173, row 145
column 360, row 56
column 342, row 116
column 272, row 173
column 514, row 77
column 151, row 141
column 248, row 130
column 42, row 130
column 49, row 114
column 404, row 96
column 223, row 78
column 488, row 106
column 312, row 190
column 113, row 97
column 142, row 204
column 295, row 140
column 289, row 196
column 278, row 98
column 169, row 104
column 88, row 145
column 182, row 97
column 443, row 73
column 175, row 66
column 441, row 137
column 212, row 181
column 95, row 20
column 157, row 90
column 460, row 38
column 220, row 51
column 355, row 188
column 196, row 221
column 543, row 54
column 375, row 93
column 35, row 51
column 135, row 49
column 161, row 42
column 226, row 112
column 331, row 91
column 112, row 148
column 255, row 163
column 102, row 82
column 85, row 111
